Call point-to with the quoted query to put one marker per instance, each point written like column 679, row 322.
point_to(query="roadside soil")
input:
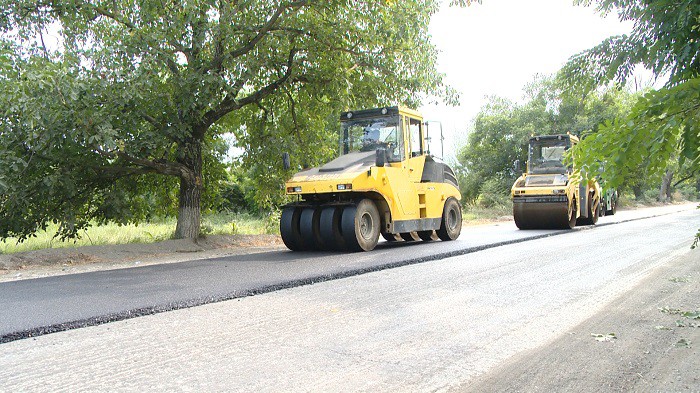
column 58, row 261
column 641, row 342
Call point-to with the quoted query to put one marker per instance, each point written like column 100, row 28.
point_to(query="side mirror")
column 516, row 166
column 380, row 159
column 286, row 163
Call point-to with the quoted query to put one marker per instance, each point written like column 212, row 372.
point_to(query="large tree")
column 664, row 124
column 130, row 102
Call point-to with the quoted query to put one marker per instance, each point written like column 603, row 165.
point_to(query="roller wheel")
column 390, row 237
column 360, row 226
column 613, row 207
column 407, row 236
column 289, row 228
column 426, row 236
column 309, row 228
column 329, row 229
column 520, row 222
column 572, row 215
column 451, row 225
column 592, row 218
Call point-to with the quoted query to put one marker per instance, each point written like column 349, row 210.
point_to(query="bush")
column 495, row 193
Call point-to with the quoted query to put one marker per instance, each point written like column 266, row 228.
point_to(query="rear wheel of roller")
column 451, row 225
column 426, row 236
column 407, row 236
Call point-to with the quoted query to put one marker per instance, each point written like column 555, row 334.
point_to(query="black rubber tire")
column 451, row 225
column 572, row 215
column 309, row 228
column 289, row 228
column 613, row 207
column 390, row 237
column 407, row 236
column 329, row 229
column 592, row 218
column 360, row 226
column 426, row 236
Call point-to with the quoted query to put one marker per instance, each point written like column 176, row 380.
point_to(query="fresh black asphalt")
column 35, row 307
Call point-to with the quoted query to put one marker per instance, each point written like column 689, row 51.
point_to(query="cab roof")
column 379, row 112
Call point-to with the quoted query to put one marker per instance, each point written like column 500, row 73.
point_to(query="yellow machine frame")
column 406, row 200
column 555, row 205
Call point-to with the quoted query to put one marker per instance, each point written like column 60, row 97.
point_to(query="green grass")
column 154, row 231
column 474, row 214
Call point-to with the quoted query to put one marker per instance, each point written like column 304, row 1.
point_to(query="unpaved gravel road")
column 513, row 318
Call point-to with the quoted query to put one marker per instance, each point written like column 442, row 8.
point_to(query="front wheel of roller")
column 289, row 228
column 451, row 225
column 360, row 226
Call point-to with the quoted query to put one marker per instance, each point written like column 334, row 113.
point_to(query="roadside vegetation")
column 153, row 163
column 148, row 232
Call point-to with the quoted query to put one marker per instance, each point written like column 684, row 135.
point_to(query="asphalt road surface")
column 445, row 313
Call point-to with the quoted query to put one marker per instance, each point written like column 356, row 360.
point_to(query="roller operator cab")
column 384, row 182
column 550, row 194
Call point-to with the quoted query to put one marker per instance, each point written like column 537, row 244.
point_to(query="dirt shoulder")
column 57, row 261
column 641, row 342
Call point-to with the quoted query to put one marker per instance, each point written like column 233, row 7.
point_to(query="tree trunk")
column 638, row 192
column 189, row 209
column 665, row 189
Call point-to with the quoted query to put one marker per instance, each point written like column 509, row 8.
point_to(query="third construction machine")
column 384, row 182
column 551, row 194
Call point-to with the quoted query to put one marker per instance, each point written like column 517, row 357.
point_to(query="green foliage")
column 662, row 125
column 502, row 128
column 665, row 39
column 494, row 193
column 129, row 108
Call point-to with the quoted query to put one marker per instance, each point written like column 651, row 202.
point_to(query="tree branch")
column 146, row 166
column 229, row 103
column 266, row 27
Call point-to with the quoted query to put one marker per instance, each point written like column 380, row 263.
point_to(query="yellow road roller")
column 550, row 194
column 383, row 182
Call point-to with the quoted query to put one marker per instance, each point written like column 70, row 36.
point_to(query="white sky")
column 497, row 47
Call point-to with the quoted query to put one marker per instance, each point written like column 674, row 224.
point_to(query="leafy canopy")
column 136, row 95
column 663, row 124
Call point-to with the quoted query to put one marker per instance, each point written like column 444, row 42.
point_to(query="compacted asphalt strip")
column 40, row 306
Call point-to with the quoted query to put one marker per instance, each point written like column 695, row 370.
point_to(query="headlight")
column 294, row 189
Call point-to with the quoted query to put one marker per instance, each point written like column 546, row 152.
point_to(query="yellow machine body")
column 550, row 195
column 394, row 171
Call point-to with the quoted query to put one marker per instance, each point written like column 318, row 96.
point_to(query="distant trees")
column 123, row 118
column 502, row 128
